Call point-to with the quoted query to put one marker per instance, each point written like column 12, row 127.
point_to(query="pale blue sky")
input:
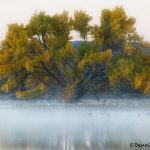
column 12, row 11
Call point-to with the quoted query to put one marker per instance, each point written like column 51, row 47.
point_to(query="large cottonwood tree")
column 38, row 58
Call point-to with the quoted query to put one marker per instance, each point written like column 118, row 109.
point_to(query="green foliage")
column 39, row 57
column 95, row 58
column 51, row 31
column 120, row 69
column 33, row 93
column 115, row 29
column 85, row 48
column 141, row 78
column 81, row 23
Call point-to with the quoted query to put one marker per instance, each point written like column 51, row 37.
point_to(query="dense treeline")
column 39, row 58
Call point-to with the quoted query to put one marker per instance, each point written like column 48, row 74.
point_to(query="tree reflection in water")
column 72, row 129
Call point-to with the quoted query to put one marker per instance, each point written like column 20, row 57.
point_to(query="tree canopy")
column 80, row 23
column 115, row 29
column 38, row 58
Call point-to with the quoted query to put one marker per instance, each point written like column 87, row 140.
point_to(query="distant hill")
column 76, row 44
column 136, row 45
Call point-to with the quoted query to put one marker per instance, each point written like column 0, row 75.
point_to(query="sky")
column 20, row 11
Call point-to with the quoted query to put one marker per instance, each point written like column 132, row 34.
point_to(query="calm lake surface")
column 45, row 125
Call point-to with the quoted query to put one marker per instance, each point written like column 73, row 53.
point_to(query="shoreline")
column 105, row 104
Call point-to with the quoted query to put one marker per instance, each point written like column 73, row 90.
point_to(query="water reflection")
column 75, row 128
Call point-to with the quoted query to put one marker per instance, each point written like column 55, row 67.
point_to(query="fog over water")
column 45, row 125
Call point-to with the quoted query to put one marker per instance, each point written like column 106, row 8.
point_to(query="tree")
column 131, row 67
column 80, row 23
column 50, row 38
column 38, row 47
column 14, row 47
column 121, row 69
column 51, row 31
column 115, row 29
column 91, row 70
column 39, row 58
column 141, row 78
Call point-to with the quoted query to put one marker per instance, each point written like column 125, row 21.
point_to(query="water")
column 43, row 125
